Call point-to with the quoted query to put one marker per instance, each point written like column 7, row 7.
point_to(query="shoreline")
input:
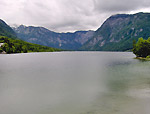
column 142, row 58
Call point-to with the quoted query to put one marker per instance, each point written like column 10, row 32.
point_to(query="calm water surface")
column 74, row 83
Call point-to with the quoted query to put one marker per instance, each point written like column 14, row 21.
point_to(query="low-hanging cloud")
column 66, row 15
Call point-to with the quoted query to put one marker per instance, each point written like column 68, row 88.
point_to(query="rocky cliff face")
column 6, row 30
column 118, row 32
column 43, row 36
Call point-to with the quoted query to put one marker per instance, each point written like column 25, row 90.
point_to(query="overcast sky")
column 67, row 15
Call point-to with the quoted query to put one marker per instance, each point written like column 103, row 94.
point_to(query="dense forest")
column 11, row 45
column 142, row 48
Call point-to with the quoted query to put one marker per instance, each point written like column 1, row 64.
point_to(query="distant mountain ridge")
column 11, row 44
column 6, row 30
column 115, row 34
column 43, row 36
column 118, row 32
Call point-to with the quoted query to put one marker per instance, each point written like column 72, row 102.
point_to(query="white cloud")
column 66, row 15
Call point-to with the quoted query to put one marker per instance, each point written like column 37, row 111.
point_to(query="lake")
column 74, row 83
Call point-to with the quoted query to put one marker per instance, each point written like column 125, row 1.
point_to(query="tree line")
column 18, row 46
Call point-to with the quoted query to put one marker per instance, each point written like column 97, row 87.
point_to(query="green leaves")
column 142, row 48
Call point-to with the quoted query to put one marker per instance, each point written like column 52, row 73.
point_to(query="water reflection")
column 128, row 89
column 74, row 83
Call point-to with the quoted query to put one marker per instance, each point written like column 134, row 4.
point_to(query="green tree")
column 142, row 47
column 24, row 49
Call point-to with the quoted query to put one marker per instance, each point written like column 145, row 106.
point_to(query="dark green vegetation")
column 43, row 36
column 142, row 48
column 18, row 46
column 118, row 32
column 5, row 30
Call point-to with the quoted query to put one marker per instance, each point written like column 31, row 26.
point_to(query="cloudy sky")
column 67, row 15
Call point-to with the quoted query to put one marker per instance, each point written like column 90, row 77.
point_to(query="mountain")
column 11, row 44
column 43, row 36
column 6, row 30
column 118, row 32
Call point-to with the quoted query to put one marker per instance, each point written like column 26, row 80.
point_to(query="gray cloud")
column 66, row 15
column 120, row 5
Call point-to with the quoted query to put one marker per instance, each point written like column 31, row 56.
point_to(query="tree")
column 24, row 49
column 142, row 47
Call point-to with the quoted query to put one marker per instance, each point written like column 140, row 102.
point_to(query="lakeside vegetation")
column 11, row 45
column 142, row 49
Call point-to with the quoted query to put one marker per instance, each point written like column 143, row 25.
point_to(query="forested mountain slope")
column 118, row 32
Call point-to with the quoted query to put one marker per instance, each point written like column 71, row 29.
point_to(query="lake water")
column 74, row 83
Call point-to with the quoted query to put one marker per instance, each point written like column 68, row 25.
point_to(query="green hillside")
column 118, row 32
column 18, row 46
column 6, row 30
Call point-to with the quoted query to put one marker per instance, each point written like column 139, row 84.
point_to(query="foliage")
column 19, row 46
column 148, row 57
column 1, row 50
column 142, row 48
